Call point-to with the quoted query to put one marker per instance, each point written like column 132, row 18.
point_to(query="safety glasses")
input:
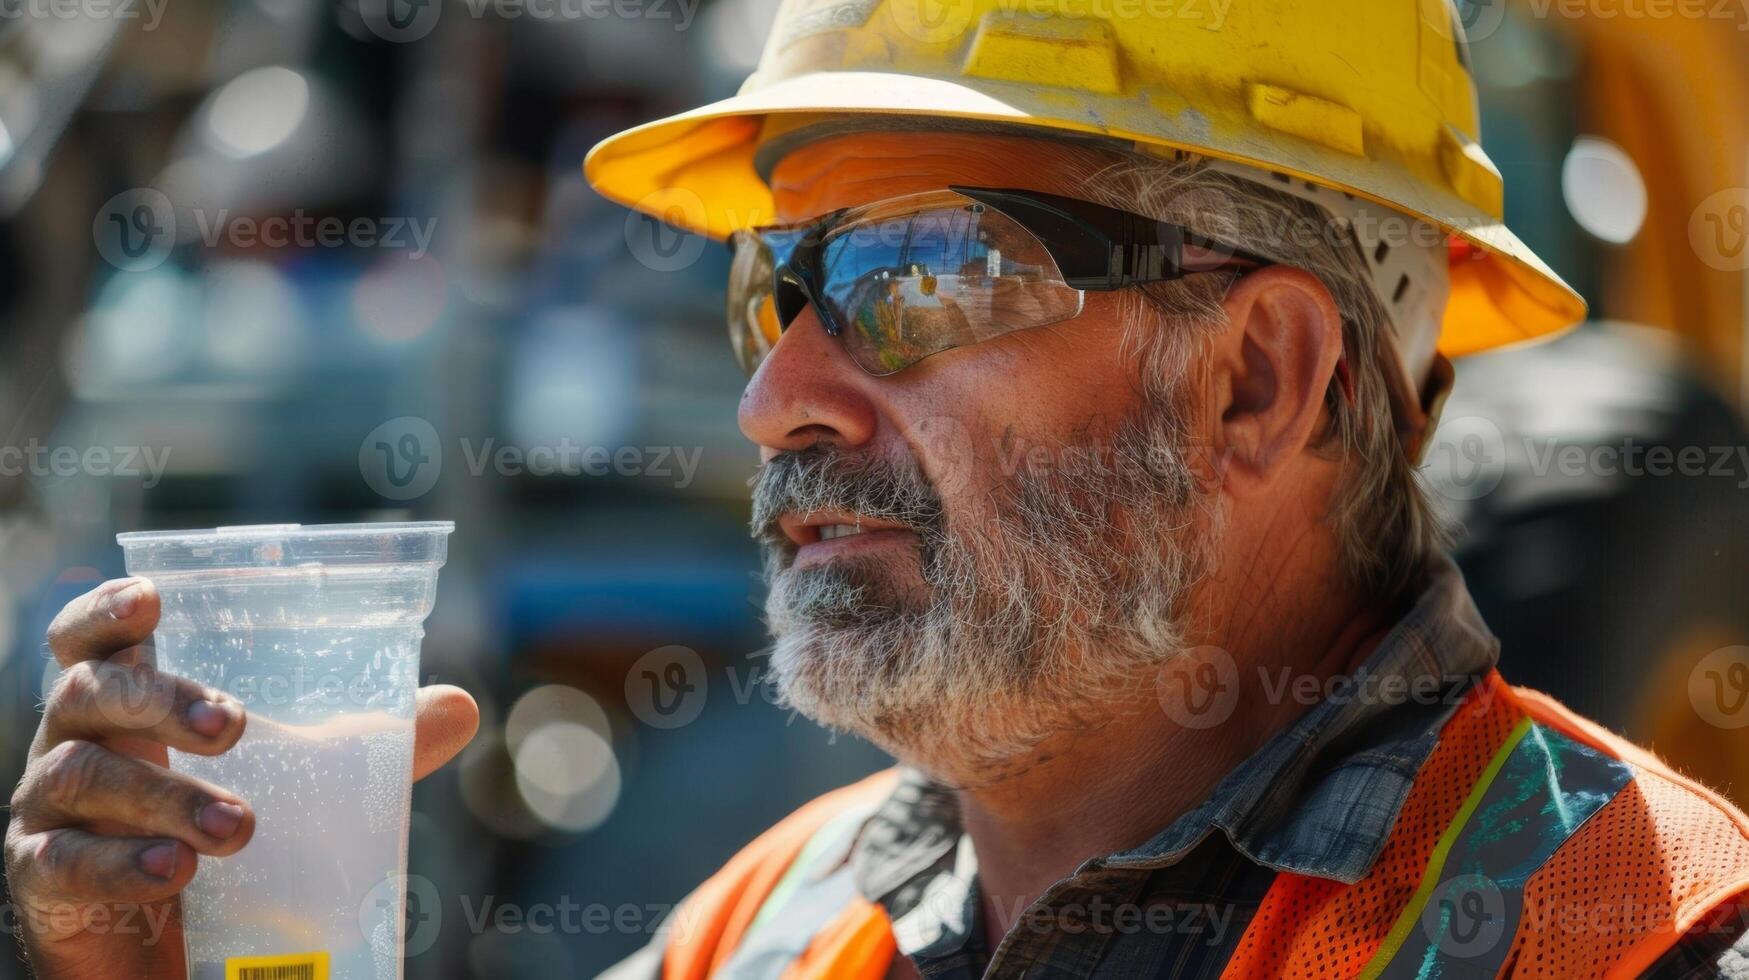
column 899, row 280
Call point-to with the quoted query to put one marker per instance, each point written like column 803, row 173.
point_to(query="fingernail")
column 122, row 602
column 159, row 860
column 220, row 819
column 207, row 718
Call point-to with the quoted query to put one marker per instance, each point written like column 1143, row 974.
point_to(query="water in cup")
column 316, row 631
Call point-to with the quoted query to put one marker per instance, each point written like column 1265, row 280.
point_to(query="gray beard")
column 1065, row 593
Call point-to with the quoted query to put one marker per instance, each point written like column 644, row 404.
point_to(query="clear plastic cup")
column 316, row 631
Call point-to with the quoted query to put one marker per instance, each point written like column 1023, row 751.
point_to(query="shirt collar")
column 1318, row 799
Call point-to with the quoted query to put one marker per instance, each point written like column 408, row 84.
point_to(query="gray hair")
column 1385, row 524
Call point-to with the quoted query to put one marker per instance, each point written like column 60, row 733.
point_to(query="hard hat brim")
column 696, row 170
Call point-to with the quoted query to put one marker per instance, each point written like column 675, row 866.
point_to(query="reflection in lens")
column 911, row 285
column 753, row 324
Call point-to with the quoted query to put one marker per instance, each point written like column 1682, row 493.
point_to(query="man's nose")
column 807, row 391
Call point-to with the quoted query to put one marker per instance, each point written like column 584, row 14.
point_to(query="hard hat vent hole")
column 1378, row 255
column 1402, row 287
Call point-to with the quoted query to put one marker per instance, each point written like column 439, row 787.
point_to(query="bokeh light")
column 568, row 775
column 1604, row 190
column 258, row 110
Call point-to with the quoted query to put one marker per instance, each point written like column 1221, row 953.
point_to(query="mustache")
column 819, row 478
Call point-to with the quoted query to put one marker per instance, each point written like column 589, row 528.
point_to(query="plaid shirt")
column 1318, row 799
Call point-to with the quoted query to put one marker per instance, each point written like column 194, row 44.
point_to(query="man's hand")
column 103, row 835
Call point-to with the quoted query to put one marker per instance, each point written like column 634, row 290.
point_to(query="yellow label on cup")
column 295, row 966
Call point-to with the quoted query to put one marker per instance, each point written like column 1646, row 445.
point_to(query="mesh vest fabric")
column 1594, row 870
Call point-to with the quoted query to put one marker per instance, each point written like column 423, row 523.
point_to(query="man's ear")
column 1272, row 365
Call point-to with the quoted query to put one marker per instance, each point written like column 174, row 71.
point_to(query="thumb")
column 446, row 722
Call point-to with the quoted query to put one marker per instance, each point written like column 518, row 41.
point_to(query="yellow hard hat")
column 1369, row 97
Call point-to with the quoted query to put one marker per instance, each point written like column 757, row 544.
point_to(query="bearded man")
column 1090, row 358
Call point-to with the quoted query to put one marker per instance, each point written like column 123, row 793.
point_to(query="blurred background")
column 294, row 260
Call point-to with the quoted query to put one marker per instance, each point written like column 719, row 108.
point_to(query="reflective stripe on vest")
column 812, row 894
column 1532, row 843
column 709, row 926
column 1537, row 791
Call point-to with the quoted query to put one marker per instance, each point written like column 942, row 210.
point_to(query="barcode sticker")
column 297, row 966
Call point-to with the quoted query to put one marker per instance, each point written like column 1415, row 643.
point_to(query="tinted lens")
column 920, row 275
column 753, row 321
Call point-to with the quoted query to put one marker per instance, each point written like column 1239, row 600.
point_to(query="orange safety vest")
column 1596, row 854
